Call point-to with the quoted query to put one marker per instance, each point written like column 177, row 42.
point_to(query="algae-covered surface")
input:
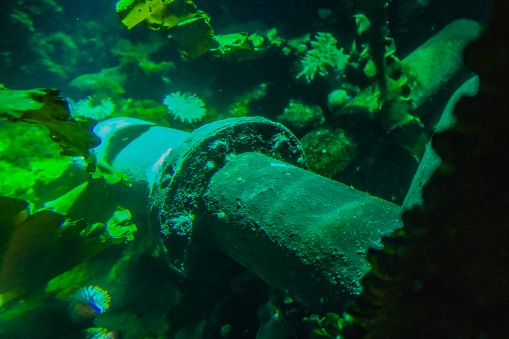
column 361, row 84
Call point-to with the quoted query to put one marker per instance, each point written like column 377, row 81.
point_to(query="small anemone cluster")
column 187, row 107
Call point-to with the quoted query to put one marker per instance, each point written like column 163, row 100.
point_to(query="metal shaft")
column 240, row 187
column 300, row 232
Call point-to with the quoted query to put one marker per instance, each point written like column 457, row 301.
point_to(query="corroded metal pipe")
column 300, row 232
column 240, row 187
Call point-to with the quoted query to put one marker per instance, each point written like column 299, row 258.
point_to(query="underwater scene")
column 254, row 169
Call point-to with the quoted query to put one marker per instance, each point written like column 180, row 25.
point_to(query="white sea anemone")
column 187, row 107
column 92, row 108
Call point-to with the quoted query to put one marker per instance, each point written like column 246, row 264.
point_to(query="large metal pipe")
column 240, row 187
column 300, row 232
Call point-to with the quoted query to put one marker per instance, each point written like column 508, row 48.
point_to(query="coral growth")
column 106, row 82
column 299, row 117
column 329, row 150
column 57, row 53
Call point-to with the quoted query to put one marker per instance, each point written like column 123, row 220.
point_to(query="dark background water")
column 94, row 28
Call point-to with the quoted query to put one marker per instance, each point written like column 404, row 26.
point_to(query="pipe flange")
column 186, row 171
